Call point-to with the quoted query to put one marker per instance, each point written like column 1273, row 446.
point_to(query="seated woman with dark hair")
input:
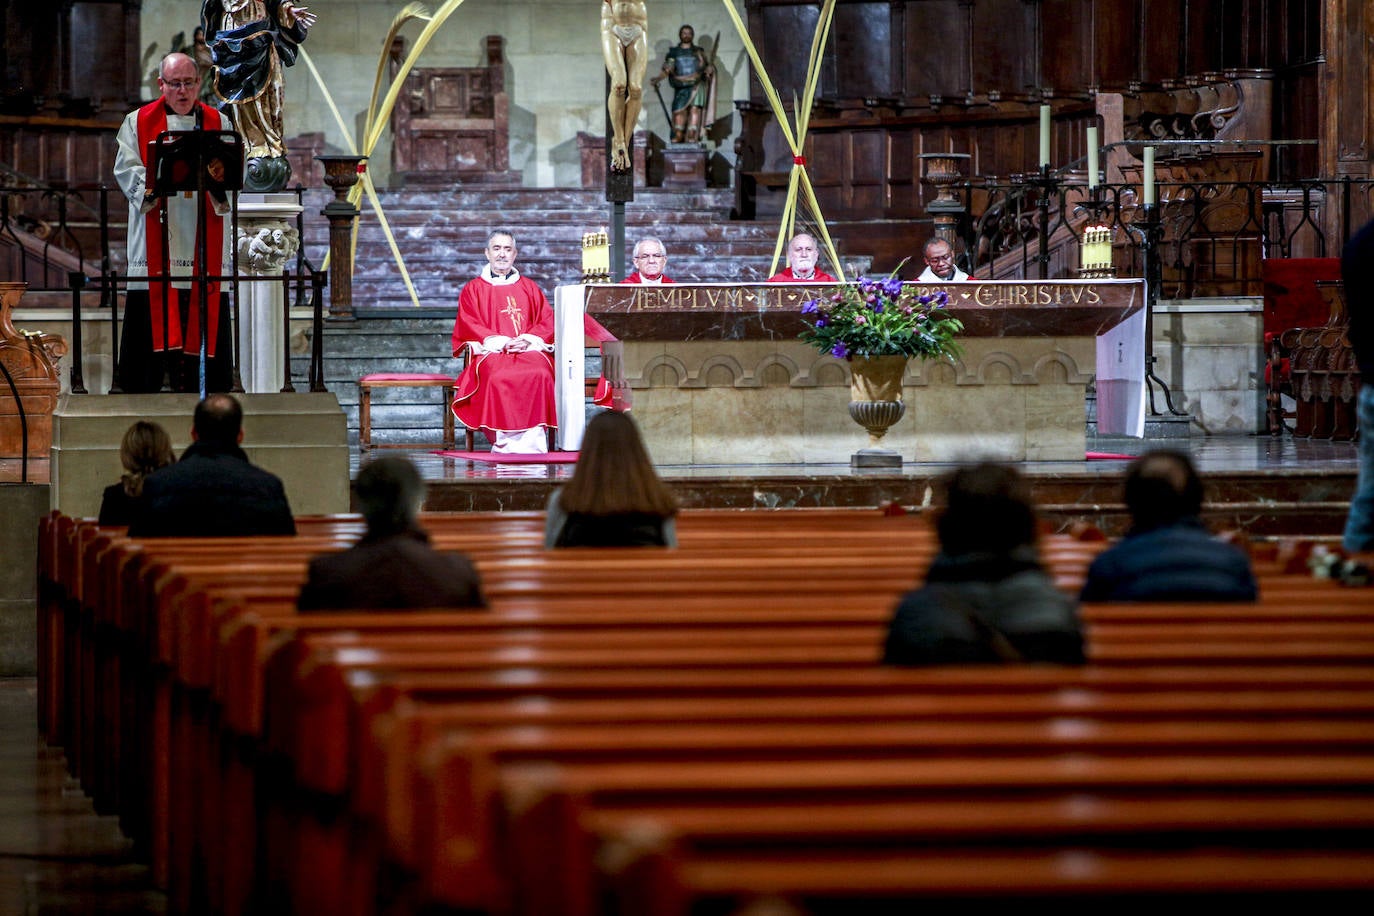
column 614, row 497
column 144, row 448
column 986, row 598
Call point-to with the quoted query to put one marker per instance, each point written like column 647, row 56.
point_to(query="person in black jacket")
column 213, row 491
column 1357, row 277
column 986, row 598
column 393, row 566
column 1168, row 555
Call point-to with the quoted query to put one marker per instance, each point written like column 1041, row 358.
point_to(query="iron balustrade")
column 36, row 221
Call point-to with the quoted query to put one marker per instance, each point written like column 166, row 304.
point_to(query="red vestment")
column 504, row 392
column 785, row 276
column 636, row 278
column 152, row 122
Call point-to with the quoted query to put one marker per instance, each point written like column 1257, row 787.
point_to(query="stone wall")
column 556, row 78
column 1211, row 355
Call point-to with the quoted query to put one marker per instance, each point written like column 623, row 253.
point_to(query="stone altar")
column 718, row 376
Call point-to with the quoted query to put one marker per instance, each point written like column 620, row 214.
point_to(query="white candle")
column 1092, row 157
column 1044, row 135
column 1148, row 195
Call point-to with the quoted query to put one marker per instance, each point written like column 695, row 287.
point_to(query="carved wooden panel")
column 788, row 45
column 1159, row 41
column 937, row 45
column 862, row 51
column 1012, row 68
column 1066, row 35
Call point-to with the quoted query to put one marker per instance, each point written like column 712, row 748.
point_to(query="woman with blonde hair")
column 614, row 497
column 145, row 448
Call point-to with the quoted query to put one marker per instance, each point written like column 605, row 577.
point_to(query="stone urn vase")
column 875, row 392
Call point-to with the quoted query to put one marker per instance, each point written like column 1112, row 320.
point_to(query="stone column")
column 267, row 243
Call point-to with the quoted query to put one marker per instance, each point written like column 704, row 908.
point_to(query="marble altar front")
column 719, row 377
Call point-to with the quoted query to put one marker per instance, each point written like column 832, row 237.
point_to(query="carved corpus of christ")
column 625, row 48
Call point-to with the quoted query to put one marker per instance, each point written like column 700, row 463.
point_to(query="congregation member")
column 1168, row 554
column 940, row 266
column 214, row 491
column 651, row 259
column 393, row 566
column 506, row 325
column 802, row 255
column 1357, row 277
column 986, row 597
column 145, row 448
column 614, row 498
column 157, row 340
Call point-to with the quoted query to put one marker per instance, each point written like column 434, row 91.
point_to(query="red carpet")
column 550, row 458
column 1108, row 456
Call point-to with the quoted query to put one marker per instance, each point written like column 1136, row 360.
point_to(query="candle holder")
column 1099, row 268
column 1150, row 232
column 1048, row 183
column 341, row 173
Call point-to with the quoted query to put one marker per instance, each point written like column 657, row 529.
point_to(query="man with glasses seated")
column 940, row 264
column 650, row 258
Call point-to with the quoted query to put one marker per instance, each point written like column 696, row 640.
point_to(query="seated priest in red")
column 650, row 259
column 506, row 324
column 802, row 255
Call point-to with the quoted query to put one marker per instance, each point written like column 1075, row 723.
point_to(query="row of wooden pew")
column 694, row 731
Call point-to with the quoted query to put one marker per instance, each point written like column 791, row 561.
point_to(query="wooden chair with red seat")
column 1292, row 302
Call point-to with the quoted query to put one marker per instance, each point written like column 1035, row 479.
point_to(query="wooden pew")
column 1141, row 636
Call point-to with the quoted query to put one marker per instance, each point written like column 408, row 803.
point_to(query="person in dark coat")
column 986, row 598
column 393, row 566
column 145, row 448
column 213, row 491
column 1357, row 277
column 1168, row 554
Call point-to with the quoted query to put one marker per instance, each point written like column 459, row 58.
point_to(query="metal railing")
column 54, row 246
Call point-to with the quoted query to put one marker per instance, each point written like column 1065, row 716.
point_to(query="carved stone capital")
column 265, row 245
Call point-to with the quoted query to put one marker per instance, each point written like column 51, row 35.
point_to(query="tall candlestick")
column 1044, row 135
column 1092, row 157
column 1148, row 195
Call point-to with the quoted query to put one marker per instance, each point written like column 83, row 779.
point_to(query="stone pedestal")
column 302, row 438
column 267, row 243
column 684, row 166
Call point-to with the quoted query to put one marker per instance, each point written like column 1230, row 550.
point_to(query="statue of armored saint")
column 250, row 41
column 691, row 74
column 626, row 51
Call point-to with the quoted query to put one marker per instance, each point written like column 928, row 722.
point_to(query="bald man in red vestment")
column 506, row 324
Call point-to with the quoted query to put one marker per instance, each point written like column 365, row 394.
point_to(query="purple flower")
column 839, row 351
column 821, row 322
column 892, row 286
column 810, row 306
column 859, row 319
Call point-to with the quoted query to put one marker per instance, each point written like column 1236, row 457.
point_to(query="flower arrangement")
column 879, row 317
